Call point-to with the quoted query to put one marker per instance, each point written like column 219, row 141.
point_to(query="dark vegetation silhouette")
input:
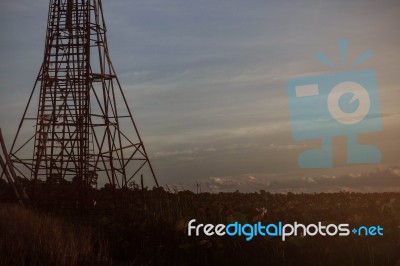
column 32, row 238
column 149, row 227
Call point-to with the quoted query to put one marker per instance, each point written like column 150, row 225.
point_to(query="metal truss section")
column 83, row 128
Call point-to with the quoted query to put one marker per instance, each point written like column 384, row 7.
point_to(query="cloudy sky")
column 207, row 83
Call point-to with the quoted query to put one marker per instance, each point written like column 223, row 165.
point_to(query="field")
column 151, row 228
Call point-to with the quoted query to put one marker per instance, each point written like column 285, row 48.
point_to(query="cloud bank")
column 381, row 180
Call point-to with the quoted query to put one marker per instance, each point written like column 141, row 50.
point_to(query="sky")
column 206, row 81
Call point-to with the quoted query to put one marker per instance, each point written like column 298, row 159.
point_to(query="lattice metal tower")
column 83, row 127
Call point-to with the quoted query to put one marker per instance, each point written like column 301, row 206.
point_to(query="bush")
column 32, row 238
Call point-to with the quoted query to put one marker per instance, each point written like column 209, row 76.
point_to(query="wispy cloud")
column 387, row 179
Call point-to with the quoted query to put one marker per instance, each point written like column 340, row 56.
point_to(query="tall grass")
column 31, row 238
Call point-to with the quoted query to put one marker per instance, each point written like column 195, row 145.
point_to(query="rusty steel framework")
column 83, row 127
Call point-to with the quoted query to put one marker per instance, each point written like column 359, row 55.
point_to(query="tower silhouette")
column 83, row 129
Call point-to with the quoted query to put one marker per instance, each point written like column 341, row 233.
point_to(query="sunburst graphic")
column 343, row 44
